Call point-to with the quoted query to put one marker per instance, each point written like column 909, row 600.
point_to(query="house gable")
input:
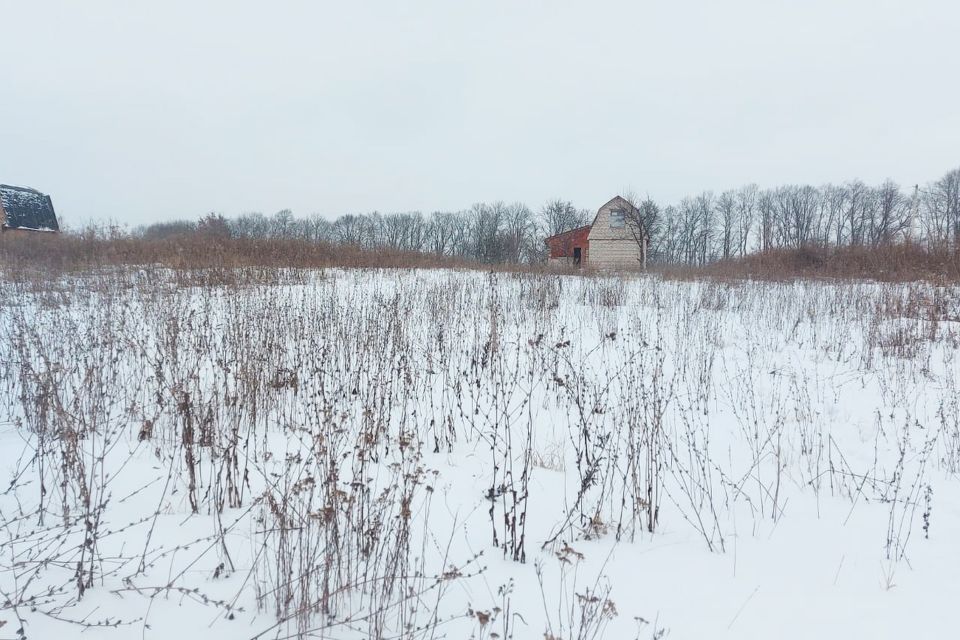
column 601, row 229
column 612, row 243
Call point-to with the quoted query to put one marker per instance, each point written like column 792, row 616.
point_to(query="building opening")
column 576, row 256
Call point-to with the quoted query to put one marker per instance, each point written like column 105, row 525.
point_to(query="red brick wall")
column 562, row 246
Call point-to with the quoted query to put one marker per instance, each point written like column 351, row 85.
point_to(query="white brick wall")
column 615, row 254
column 613, row 247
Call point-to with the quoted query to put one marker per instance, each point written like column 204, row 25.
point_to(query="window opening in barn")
column 617, row 219
column 576, row 255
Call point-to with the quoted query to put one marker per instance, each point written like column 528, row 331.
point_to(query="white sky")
column 136, row 111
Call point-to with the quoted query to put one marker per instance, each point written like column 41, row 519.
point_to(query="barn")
column 24, row 209
column 609, row 242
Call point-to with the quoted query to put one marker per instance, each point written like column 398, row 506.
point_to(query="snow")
column 800, row 443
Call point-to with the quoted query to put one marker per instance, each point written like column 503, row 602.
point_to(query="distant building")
column 608, row 242
column 23, row 209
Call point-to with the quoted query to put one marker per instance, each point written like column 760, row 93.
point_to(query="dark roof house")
column 26, row 209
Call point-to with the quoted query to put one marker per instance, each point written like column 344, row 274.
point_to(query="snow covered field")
column 353, row 454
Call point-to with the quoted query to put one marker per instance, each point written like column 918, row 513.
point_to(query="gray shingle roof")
column 24, row 208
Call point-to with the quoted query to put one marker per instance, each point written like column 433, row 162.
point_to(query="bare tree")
column 519, row 228
column 250, row 225
column 319, row 229
column 857, row 205
column 797, row 211
column 942, row 210
column 485, row 229
column 280, row 223
column 403, row 231
column 693, row 229
column 686, row 234
column 890, row 217
column 833, row 200
column 442, row 229
column 640, row 219
column 727, row 215
column 767, row 209
column 746, row 210
column 349, row 229
column 417, row 231
column 665, row 240
column 214, row 225
column 705, row 231
column 560, row 215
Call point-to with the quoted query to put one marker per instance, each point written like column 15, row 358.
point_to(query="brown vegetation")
column 200, row 251
column 905, row 262
column 25, row 254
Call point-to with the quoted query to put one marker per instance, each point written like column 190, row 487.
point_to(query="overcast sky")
column 138, row 112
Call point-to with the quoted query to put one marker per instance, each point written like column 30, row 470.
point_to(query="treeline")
column 486, row 233
column 696, row 231
column 749, row 220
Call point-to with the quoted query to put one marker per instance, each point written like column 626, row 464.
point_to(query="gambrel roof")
column 616, row 201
